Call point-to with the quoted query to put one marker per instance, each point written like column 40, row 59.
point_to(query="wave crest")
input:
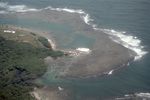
column 136, row 96
column 128, row 41
column 14, row 8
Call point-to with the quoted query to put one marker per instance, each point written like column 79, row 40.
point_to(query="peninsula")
column 22, row 56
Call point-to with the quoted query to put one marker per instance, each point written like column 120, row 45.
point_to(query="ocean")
column 128, row 23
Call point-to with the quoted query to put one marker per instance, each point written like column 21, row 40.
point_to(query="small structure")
column 60, row 89
column 110, row 72
column 9, row 31
column 79, row 51
column 86, row 50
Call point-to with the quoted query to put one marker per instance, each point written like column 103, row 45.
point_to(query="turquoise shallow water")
column 131, row 16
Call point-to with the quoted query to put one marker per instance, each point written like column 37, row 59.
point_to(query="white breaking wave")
column 136, row 96
column 86, row 18
column 20, row 8
column 128, row 41
column 66, row 9
column 145, row 96
column 14, row 8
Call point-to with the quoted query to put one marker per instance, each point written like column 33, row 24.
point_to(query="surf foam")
column 136, row 96
column 66, row 9
column 14, row 8
column 143, row 95
column 128, row 41
column 86, row 18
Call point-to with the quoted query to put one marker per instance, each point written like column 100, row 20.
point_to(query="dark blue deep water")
column 130, row 16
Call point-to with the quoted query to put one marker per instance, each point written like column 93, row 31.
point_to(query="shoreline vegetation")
column 53, row 45
column 22, row 60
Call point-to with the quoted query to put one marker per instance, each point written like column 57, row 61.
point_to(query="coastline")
column 95, row 63
column 37, row 93
column 14, row 41
column 53, row 45
column 121, row 21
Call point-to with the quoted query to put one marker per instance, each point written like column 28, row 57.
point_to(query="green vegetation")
column 20, row 63
column 44, row 42
column 20, row 36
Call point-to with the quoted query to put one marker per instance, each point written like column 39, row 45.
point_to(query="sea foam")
column 128, row 41
column 143, row 95
column 86, row 18
column 14, row 8
column 79, row 11
column 136, row 96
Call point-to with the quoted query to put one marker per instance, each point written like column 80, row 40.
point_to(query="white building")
column 60, row 89
column 9, row 31
column 83, row 49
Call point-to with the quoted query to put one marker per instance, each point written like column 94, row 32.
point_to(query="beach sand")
column 51, row 92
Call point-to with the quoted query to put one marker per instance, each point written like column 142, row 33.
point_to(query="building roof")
column 83, row 49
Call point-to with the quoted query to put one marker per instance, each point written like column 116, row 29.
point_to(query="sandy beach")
column 51, row 92
column 52, row 44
